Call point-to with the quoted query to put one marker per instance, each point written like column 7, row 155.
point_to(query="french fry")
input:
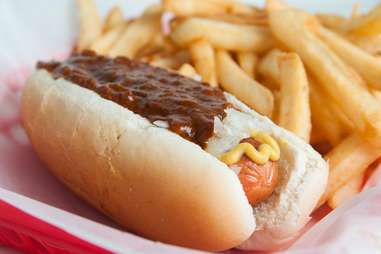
column 333, row 74
column 239, row 8
column 240, row 19
column 172, row 61
column 346, row 192
column 332, row 21
column 294, row 110
column 268, row 67
column 203, row 58
column 317, row 136
column 90, row 26
column 326, row 117
column 248, row 62
column 370, row 44
column 153, row 9
column 188, row 71
column 104, row 42
column 355, row 10
column 223, row 35
column 368, row 24
column 158, row 44
column 377, row 95
column 196, row 7
column 275, row 114
column 138, row 34
column 368, row 66
column 322, row 147
column 113, row 19
column 234, row 80
column 348, row 159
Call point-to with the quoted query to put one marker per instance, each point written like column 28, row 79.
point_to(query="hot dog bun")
column 148, row 179
column 303, row 178
column 156, row 183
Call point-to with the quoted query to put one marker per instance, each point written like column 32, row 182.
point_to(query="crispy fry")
column 275, row 114
column 153, row 9
column 317, row 136
column 333, row 74
column 355, row 10
column 158, row 45
column 90, row 24
column 104, row 42
column 370, row 44
column 113, row 19
column 332, row 21
column 240, row 19
column 223, row 35
column 294, row 111
column 377, row 95
column 248, row 62
column 234, row 80
column 188, row 71
column 268, row 67
column 138, row 34
column 368, row 24
column 239, row 8
column 203, row 58
column 346, row 192
column 350, row 158
column 172, row 61
column 326, row 117
column 196, row 7
column 368, row 66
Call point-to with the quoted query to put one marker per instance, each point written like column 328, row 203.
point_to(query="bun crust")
column 150, row 180
column 159, row 185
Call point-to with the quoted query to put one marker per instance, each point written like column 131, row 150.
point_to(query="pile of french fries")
column 318, row 76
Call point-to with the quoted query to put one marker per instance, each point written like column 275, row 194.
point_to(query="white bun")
column 303, row 178
column 148, row 179
column 159, row 185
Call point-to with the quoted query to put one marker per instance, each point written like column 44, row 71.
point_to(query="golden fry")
column 368, row 66
column 268, row 67
column 197, row 7
column 248, row 62
column 234, row 80
column 203, row 58
column 348, row 159
column 172, row 61
column 294, row 110
column 239, row 19
column 104, row 42
column 113, row 19
column 368, row 24
column 223, row 35
column 154, row 9
column 370, row 44
column 346, row 192
column 333, row 74
column 138, row 35
column 90, row 26
column 332, row 21
column 326, row 117
column 188, row 71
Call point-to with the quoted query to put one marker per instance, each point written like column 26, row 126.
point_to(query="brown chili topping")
column 188, row 106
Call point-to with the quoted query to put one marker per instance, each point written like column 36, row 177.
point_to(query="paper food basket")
column 39, row 215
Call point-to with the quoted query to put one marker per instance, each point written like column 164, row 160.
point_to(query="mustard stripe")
column 268, row 150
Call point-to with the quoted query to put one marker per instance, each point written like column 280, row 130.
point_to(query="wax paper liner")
column 39, row 215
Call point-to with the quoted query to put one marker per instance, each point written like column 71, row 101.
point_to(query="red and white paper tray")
column 39, row 215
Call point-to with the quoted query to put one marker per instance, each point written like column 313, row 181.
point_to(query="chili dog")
column 168, row 157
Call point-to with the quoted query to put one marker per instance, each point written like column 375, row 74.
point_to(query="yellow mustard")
column 268, row 150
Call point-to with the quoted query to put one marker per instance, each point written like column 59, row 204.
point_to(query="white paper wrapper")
column 41, row 30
